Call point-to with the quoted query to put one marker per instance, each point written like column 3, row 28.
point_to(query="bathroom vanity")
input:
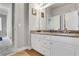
column 55, row 44
column 63, row 39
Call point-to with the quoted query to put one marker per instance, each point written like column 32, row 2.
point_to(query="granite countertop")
column 72, row 34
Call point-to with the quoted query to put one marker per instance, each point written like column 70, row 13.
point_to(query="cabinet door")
column 46, row 45
column 62, row 49
column 77, row 51
column 71, row 20
column 35, row 42
column 45, row 51
column 41, row 44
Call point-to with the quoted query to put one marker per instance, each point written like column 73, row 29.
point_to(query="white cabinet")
column 62, row 49
column 62, row 46
column 55, row 45
column 45, row 51
column 46, row 45
column 35, row 40
column 71, row 20
column 40, row 44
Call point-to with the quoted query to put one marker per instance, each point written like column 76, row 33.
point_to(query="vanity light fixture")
column 33, row 11
column 42, row 14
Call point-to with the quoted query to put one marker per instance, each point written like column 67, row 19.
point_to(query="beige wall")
column 21, row 29
column 26, row 25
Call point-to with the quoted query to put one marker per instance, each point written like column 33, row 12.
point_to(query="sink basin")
column 69, row 34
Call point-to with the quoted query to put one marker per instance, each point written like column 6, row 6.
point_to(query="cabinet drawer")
column 46, row 43
column 45, row 51
column 63, row 44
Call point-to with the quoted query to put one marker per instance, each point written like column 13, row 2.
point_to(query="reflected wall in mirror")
column 54, row 23
column 42, row 18
column 71, row 20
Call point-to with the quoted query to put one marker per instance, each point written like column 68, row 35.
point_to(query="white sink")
column 70, row 34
